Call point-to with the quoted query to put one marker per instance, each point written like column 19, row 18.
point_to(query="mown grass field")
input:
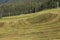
column 44, row 25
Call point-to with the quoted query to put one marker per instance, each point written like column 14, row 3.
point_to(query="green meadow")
column 43, row 25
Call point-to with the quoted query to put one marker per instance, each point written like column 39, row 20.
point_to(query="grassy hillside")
column 44, row 25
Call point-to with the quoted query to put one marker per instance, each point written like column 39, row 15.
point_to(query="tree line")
column 13, row 9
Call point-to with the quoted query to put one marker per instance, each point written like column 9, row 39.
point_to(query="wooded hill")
column 17, row 7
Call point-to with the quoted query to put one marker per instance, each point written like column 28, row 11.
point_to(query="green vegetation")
column 17, row 7
column 44, row 25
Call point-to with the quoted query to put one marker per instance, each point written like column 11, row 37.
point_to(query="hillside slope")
column 43, row 25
